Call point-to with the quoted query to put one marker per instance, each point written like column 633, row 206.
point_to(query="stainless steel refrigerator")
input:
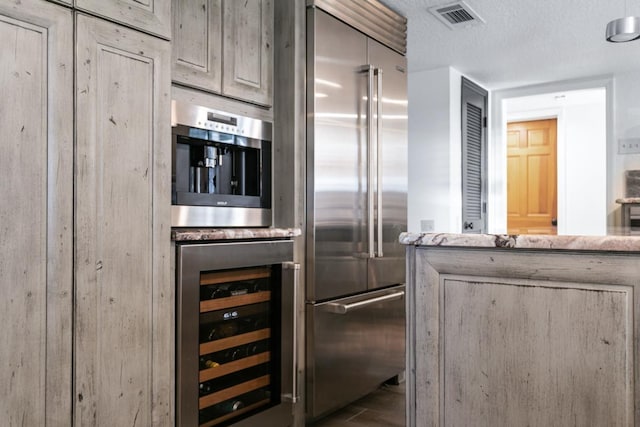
column 356, row 209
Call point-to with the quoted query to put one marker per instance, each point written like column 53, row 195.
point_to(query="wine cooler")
column 236, row 334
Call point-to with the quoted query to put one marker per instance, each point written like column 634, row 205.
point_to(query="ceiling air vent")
column 456, row 15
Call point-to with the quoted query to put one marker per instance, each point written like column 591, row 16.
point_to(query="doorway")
column 583, row 128
column 532, row 206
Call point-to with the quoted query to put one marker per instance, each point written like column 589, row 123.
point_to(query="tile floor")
column 385, row 407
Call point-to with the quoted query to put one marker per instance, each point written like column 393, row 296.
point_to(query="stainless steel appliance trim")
column 370, row 17
column 339, row 308
column 196, row 116
column 219, row 216
column 293, row 397
column 370, row 136
column 342, row 349
column 191, row 259
column 379, row 218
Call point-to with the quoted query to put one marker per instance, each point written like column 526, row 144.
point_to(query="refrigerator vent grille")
column 457, row 15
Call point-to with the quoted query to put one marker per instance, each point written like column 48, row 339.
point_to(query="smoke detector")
column 456, row 15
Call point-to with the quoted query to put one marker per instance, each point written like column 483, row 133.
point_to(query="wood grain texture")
column 535, row 353
column 124, row 297
column 152, row 16
column 36, row 116
column 197, row 44
column 247, row 50
column 522, row 337
column 222, row 103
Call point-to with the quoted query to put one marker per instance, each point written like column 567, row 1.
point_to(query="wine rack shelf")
column 234, row 341
column 216, row 277
column 234, row 301
column 235, row 413
column 235, row 366
column 231, row 392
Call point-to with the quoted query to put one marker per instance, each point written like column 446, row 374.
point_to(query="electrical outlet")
column 629, row 146
column 426, row 225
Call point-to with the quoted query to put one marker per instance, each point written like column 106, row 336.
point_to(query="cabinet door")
column 124, row 299
column 247, row 70
column 197, row 44
column 153, row 16
column 36, row 194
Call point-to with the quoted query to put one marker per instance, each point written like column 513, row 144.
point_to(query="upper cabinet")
column 247, row 66
column 197, row 44
column 225, row 46
column 151, row 16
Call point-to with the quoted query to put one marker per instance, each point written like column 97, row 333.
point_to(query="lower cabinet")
column 124, row 296
column 508, row 337
column 87, row 300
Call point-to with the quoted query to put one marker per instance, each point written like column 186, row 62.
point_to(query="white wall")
column 627, row 125
column 434, row 150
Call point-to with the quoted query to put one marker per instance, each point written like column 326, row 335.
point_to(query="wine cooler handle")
column 294, row 396
column 339, row 308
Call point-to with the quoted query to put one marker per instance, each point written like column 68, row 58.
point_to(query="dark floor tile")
column 385, row 407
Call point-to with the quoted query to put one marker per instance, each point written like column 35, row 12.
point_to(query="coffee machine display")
column 221, row 169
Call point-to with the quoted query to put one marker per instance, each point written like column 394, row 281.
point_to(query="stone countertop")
column 572, row 243
column 205, row 234
column 628, row 200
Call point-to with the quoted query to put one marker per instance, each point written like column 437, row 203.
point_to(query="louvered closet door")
column 474, row 106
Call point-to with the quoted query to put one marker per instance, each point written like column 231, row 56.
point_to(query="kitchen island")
column 522, row 330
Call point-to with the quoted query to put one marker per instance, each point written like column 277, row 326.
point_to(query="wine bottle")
column 208, row 362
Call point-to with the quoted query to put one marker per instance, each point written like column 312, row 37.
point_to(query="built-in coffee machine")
column 221, row 168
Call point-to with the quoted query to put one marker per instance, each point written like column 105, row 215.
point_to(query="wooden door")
column 197, row 44
column 531, row 177
column 36, row 213
column 152, row 16
column 124, row 298
column 247, row 50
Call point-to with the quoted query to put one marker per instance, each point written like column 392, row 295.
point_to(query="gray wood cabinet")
column 197, row 44
column 36, row 193
column 152, row 16
column 515, row 337
column 124, row 298
column 225, row 46
column 109, row 337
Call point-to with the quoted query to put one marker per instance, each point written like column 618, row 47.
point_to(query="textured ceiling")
column 523, row 42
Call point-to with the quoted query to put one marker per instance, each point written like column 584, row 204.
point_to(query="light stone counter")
column 573, row 243
column 522, row 330
column 208, row 234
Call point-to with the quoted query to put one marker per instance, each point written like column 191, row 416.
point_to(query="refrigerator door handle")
column 338, row 308
column 370, row 173
column 379, row 160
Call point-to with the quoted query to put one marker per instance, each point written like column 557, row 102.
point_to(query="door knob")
column 468, row 225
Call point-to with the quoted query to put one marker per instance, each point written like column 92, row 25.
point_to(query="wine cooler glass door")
column 236, row 329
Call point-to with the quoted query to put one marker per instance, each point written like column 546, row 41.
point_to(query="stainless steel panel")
column 337, row 181
column 372, row 18
column 186, row 114
column 191, row 260
column 391, row 166
column 351, row 354
column 213, row 216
